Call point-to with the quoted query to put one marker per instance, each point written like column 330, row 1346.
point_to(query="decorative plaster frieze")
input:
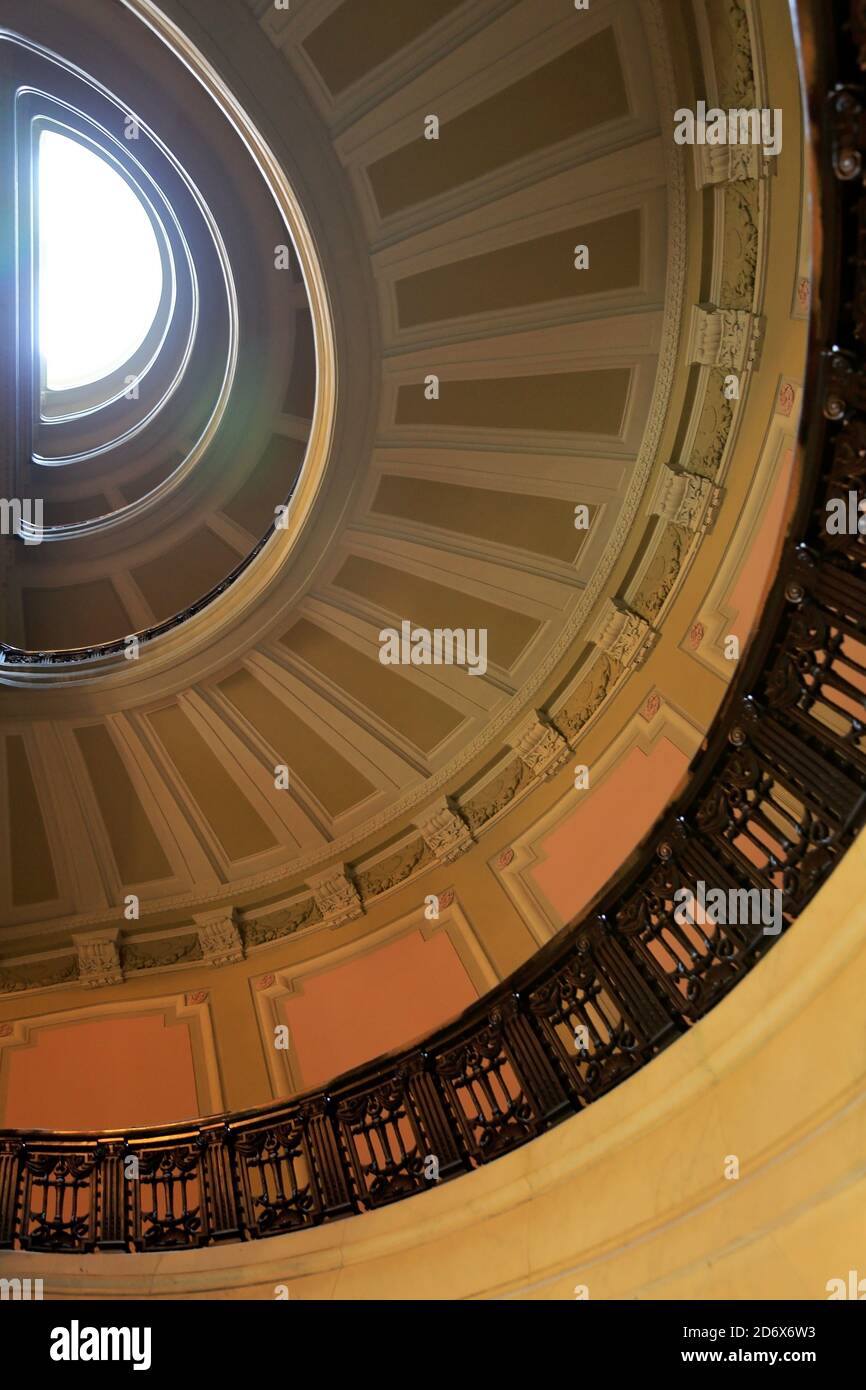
column 539, row 745
column 724, row 338
column 445, row 832
column 98, row 958
column 624, row 636
column 336, row 896
column 219, row 938
column 685, row 499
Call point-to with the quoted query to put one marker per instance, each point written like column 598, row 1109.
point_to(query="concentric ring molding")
column 201, row 629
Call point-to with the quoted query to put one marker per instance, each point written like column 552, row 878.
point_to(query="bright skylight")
column 100, row 274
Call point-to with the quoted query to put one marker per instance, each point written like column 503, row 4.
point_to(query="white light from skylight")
column 100, row 273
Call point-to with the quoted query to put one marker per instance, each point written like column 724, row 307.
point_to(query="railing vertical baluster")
column 441, row 1128
column 218, row 1189
column 110, row 1183
column 535, row 1069
column 329, row 1176
column 10, row 1174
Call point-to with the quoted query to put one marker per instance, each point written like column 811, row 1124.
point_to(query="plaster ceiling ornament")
column 6, row 1030
column 445, row 832
column 651, row 707
column 505, row 858
column 697, row 633
column 265, row 982
column 98, row 960
column 336, row 895
column 804, row 293
column 196, row 996
column 220, row 939
column 540, row 745
column 446, row 898
column 622, row 635
column 726, row 338
column 681, row 497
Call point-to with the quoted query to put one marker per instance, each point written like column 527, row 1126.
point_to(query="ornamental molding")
column 719, row 164
column 98, row 958
column 219, row 937
column 625, row 637
column 685, row 499
column 336, row 895
column 445, row 832
column 539, row 745
column 723, row 338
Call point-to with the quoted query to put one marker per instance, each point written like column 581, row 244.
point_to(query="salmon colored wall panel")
column 586, row 849
column 373, row 1003
column 101, row 1073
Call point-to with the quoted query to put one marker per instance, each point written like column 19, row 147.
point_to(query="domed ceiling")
column 488, row 378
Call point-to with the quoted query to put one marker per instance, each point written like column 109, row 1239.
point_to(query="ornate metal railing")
column 775, row 799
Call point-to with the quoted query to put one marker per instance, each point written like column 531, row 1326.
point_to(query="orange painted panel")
column 102, row 1073
column 590, row 845
column 374, row 1003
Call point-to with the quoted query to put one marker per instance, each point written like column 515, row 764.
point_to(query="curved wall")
column 631, row 1198
column 520, row 850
